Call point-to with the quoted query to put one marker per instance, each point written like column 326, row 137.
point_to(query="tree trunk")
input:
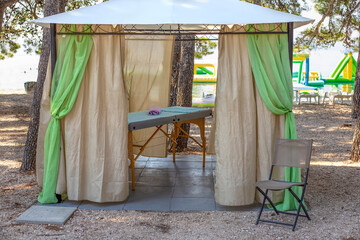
column 355, row 149
column 175, row 71
column 186, row 76
column 51, row 7
column 2, row 11
column 257, row 2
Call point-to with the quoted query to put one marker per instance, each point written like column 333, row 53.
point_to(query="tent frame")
column 180, row 30
column 166, row 29
column 53, row 33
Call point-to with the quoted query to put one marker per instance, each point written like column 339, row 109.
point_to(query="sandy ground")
column 332, row 195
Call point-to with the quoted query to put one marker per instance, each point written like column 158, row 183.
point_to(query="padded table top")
column 140, row 120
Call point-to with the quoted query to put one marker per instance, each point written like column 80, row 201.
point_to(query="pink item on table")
column 154, row 110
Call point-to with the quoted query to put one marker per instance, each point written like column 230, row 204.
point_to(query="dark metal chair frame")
column 300, row 201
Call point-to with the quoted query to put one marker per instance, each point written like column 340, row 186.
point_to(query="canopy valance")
column 204, row 29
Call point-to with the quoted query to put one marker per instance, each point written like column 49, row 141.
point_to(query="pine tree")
column 340, row 22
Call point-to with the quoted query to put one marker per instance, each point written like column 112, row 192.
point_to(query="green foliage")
column 340, row 23
column 289, row 6
column 204, row 47
column 15, row 27
column 76, row 4
column 16, row 30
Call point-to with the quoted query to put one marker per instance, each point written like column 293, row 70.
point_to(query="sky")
column 23, row 67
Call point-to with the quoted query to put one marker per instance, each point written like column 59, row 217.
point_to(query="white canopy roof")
column 187, row 12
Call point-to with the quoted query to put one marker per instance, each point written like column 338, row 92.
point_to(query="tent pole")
column 291, row 43
column 53, row 62
column 53, row 47
column 167, row 33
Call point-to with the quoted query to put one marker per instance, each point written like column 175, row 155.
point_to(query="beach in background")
column 17, row 70
column 23, row 67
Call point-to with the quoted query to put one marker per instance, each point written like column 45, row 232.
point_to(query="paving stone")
column 190, row 181
column 192, row 165
column 157, row 172
column 157, row 181
column 142, row 159
column 151, row 204
column 65, row 203
column 195, row 173
column 101, row 206
column 46, row 215
column 150, row 198
column 152, row 191
column 197, row 158
column 192, row 204
column 169, row 165
column 169, row 158
column 138, row 171
column 140, row 164
column 193, row 192
column 213, row 165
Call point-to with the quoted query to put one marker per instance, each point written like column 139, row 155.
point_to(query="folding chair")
column 288, row 153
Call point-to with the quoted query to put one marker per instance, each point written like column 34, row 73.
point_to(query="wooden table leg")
column 201, row 124
column 132, row 160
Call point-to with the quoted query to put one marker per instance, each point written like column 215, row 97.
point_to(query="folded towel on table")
column 154, row 110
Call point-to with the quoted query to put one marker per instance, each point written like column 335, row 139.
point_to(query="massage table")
column 176, row 116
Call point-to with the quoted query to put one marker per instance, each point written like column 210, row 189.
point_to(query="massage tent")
column 116, row 57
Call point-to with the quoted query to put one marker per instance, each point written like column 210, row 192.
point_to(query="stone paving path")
column 162, row 185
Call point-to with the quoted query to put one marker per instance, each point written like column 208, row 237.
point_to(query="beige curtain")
column 147, row 71
column 211, row 143
column 245, row 129
column 45, row 117
column 93, row 164
column 269, row 128
column 235, row 137
column 96, row 128
column 94, row 133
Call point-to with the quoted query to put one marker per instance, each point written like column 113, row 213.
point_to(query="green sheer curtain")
column 269, row 57
column 72, row 56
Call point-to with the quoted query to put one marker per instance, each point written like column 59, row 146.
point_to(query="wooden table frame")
column 178, row 132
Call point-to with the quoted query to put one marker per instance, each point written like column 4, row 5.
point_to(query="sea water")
column 15, row 71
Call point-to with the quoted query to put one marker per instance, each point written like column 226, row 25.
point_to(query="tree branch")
column 281, row 5
column 348, row 16
column 31, row 8
column 3, row 5
column 7, row 3
column 315, row 33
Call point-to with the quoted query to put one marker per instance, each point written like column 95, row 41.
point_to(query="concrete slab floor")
column 162, row 185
